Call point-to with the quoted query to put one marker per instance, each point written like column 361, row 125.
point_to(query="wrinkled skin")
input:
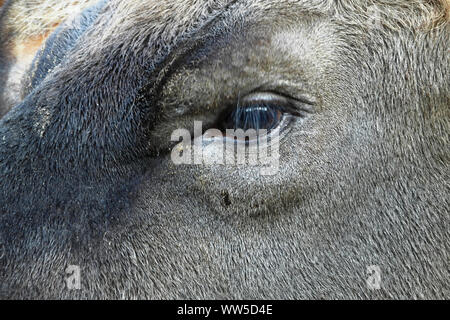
column 86, row 176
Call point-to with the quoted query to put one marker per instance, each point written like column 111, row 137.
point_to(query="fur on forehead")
column 28, row 18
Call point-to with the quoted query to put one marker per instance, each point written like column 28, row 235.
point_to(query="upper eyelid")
column 298, row 106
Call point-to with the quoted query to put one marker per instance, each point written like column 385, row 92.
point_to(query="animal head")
column 103, row 98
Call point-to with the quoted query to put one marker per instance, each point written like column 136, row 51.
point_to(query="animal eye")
column 259, row 116
column 262, row 113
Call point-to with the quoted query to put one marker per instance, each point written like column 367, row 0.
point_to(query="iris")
column 257, row 117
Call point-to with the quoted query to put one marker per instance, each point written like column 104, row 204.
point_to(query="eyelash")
column 263, row 113
column 256, row 116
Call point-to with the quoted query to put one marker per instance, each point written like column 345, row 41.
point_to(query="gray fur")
column 86, row 177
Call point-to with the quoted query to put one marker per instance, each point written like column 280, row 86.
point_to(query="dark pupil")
column 257, row 117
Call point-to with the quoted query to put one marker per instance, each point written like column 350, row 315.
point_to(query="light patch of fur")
column 445, row 12
column 25, row 50
column 41, row 124
column 32, row 18
column 13, row 82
